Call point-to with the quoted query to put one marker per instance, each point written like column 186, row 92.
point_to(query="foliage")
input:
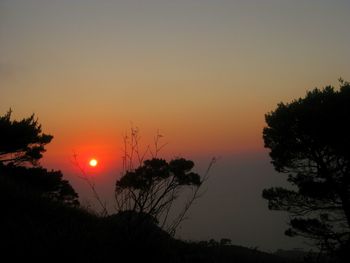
column 153, row 187
column 309, row 140
column 21, row 141
column 47, row 184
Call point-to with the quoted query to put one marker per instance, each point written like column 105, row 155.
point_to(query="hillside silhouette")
column 42, row 220
column 34, row 225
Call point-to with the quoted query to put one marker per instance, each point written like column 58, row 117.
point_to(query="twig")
column 83, row 175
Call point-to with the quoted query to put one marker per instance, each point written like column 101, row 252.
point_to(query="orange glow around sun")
column 93, row 162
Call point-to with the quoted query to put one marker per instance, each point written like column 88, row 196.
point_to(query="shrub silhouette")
column 38, row 180
column 152, row 188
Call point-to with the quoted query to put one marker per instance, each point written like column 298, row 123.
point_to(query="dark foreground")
column 35, row 227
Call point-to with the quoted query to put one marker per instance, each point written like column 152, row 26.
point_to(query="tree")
column 38, row 181
column 151, row 189
column 21, row 141
column 309, row 139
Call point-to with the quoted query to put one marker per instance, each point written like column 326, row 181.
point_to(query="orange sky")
column 202, row 72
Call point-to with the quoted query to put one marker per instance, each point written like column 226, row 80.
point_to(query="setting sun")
column 93, row 162
column 115, row 116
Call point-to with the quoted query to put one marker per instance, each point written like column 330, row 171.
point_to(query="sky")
column 204, row 73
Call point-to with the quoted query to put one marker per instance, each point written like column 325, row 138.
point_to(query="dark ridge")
column 35, row 226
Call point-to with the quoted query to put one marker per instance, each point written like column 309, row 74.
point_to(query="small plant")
column 152, row 186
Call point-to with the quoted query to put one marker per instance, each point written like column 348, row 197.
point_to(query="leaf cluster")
column 155, row 171
column 153, row 187
column 38, row 180
column 21, row 141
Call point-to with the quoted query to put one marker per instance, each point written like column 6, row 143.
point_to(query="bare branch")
column 83, row 175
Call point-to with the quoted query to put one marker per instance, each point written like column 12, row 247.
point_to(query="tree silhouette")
column 309, row 139
column 21, row 141
column 39, row 181
column 152, row 188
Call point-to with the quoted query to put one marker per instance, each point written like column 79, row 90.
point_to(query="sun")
column 93, row 162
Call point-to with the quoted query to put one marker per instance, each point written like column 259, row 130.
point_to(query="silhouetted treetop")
column 40, row 181
column 317, row 123
column 156, row 170
column 21, row 141
column 309, row 139
column 153, row 187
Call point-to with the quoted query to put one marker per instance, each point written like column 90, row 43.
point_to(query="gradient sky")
column 202, row 72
